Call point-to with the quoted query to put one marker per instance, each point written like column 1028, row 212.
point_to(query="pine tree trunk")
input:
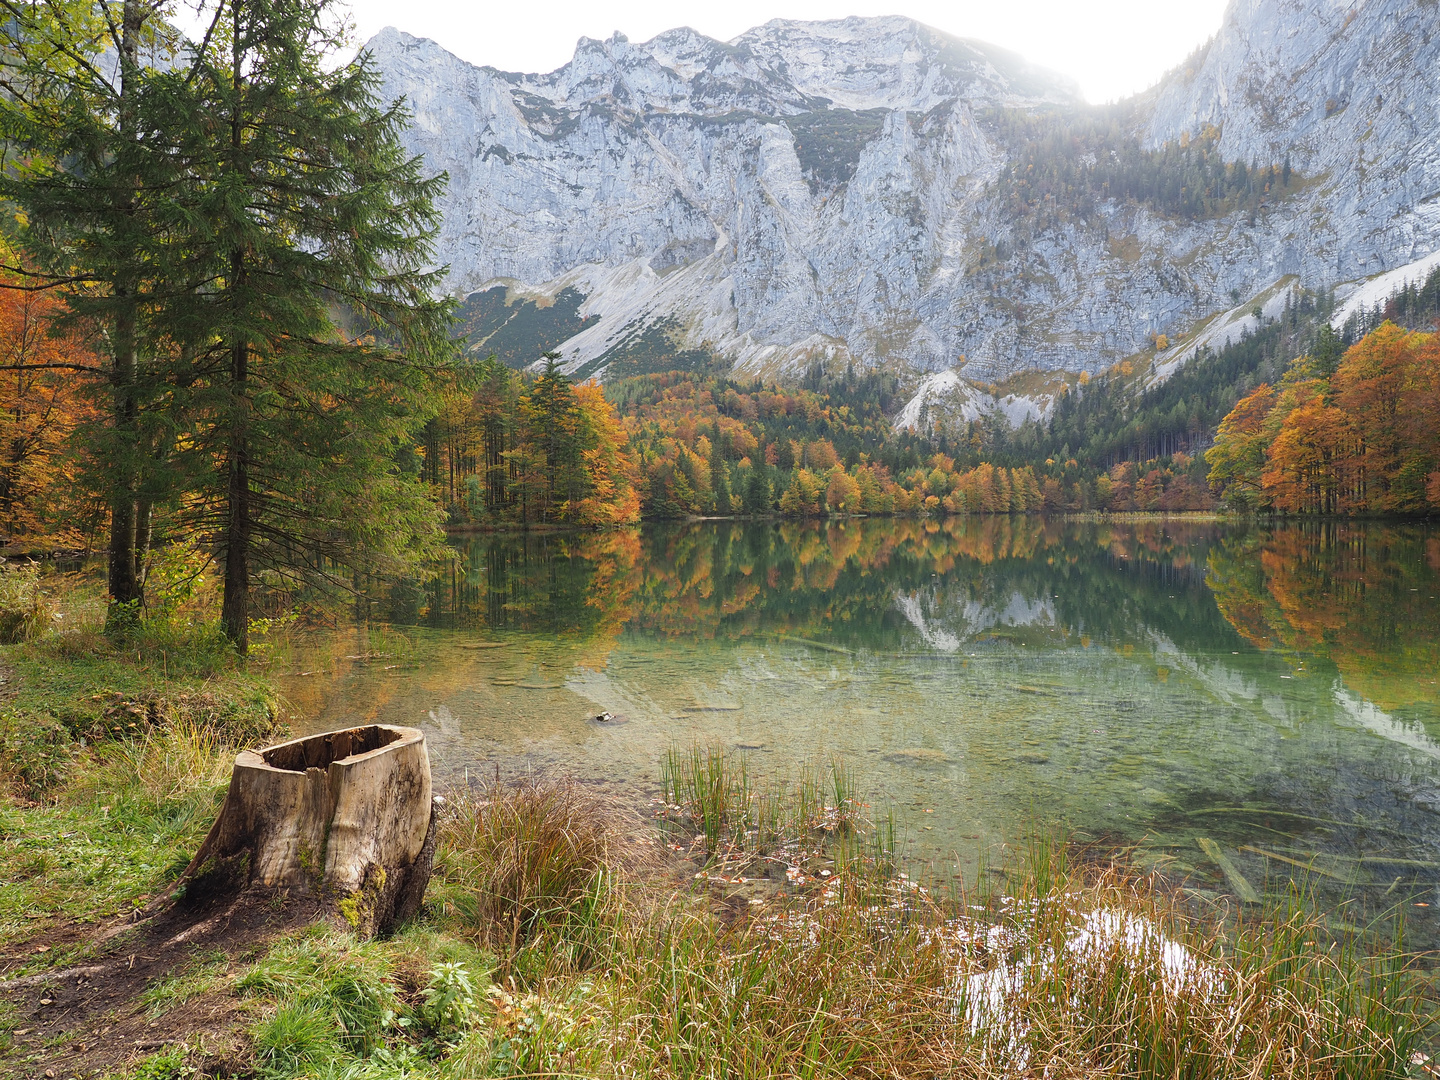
column 124, row 585
column 235, row 603
column 346, row 816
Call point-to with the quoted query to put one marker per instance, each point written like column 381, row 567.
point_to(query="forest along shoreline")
column 762, row 927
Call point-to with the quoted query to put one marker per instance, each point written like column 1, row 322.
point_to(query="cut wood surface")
column 345, row 814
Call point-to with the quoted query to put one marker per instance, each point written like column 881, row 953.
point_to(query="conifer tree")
column 86, row 173
column 719, row 475
column 554, row 420
column 758, row 490
column 318, row 345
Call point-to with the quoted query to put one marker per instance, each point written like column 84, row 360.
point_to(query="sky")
column 1112, row 48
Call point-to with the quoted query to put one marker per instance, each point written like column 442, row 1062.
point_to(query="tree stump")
column 346, row 816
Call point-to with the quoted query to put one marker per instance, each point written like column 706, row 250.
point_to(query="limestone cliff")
column 847, row 191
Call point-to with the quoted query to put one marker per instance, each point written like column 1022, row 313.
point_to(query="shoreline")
column 1218, row 517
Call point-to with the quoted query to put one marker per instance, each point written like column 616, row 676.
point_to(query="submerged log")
column 346, row 816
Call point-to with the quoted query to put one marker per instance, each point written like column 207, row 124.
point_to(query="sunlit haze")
column 1110, row 47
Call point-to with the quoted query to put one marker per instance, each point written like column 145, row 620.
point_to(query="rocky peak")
column 874, row 191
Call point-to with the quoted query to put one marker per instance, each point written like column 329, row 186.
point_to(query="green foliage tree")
column 552, row 416
column 89, row 180
column 316, row 341
column 758, row 490
column 719, row 476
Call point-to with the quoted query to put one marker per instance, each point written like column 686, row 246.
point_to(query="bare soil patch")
column 91, row 1017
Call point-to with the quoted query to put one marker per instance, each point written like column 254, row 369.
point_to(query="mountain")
column 872, row 191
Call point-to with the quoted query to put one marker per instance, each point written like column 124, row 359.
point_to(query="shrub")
column 450, row 1001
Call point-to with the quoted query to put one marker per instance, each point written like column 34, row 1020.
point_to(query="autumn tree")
column 45, row 377
column 1237, row 460
column 1306, row 461
column 1361, row 438
column 842, row 492
column 611, row 479
column 1379, row 384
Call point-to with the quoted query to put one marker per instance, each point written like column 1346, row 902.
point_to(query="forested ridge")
column 1358, row 437
column 1069, row 164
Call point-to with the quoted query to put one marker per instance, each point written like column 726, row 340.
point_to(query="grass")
column 25, row 610
column 778, row 940
column 116, row 755
column 123, row 825
column 201, row 976
column 69, row 690
column 1092, row 967
column 1076, row 969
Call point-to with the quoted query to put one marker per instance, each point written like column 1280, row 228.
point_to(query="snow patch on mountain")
column 1364, row 295
column 946, row 398
column 1224, row 329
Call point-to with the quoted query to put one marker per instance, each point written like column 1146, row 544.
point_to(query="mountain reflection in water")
column 1271, row 689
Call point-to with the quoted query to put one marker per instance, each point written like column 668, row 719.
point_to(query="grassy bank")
column 730, row 928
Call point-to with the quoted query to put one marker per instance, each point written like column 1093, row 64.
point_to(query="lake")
column 1270, row 690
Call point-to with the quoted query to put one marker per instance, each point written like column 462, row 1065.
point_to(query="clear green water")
column 1143, row 684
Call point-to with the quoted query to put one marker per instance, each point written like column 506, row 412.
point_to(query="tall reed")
column 709, row 792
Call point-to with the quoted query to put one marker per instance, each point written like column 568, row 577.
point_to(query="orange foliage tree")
column 1311, row 459
column 613, row 497
column 1364, row 440
column 43, row 398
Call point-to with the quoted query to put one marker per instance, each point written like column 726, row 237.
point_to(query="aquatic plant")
column 708, row 792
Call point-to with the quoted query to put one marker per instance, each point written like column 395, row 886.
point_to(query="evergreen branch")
column 51, row 367
column 53, row 281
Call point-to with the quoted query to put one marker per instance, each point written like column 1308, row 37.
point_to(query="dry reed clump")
column 527, row 856
column 174, row 762
column 824, row 988
column 1072, row 971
